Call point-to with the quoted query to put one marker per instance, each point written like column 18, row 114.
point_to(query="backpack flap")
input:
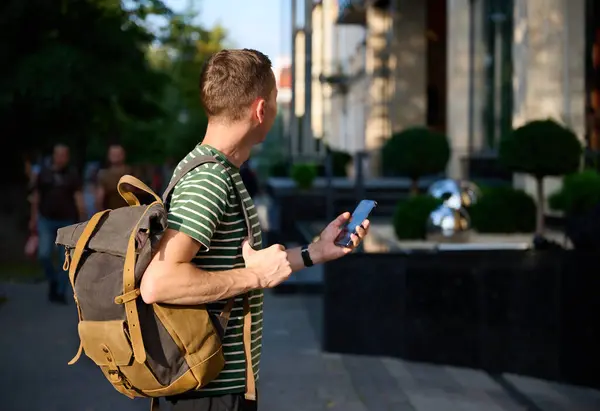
column 115, row 229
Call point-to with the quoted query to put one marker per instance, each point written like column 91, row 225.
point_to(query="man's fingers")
column 361, row 232
column 365, row 224
column 362, row 229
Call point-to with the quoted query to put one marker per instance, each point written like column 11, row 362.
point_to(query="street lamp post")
column 308, row 143
column 471, row 109
column 497, row 19
column 293, row 119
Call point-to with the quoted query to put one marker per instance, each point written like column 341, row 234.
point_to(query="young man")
column 56, row 201
column 204, row 256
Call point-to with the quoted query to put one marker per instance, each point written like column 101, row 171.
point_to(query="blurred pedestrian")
column 107, row 196
column 56, row 201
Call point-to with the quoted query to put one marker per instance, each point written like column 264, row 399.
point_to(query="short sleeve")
column 198, row 203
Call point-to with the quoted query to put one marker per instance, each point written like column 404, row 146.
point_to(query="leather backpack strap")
column 247, row 336
column 245, row 212
column 128, row 196
column 89, row 229
column 131, row 293
column 247, row 330
column 189, row 166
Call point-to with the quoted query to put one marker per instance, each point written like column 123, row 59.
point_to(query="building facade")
column 473, row 69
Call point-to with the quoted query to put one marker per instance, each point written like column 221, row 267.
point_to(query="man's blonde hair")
column 232, row 80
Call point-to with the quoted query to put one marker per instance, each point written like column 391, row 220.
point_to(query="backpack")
column 144, row 350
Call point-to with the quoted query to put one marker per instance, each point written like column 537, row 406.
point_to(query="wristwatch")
column 308, row 262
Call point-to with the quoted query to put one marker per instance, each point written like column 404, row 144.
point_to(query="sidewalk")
column 38, row 339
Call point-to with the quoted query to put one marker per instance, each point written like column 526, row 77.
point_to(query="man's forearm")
column 295, row 257
column 185, row 284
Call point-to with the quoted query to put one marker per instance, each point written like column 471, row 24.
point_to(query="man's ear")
column 260, row 110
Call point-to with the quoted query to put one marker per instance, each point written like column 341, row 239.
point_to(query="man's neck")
column 231, row 140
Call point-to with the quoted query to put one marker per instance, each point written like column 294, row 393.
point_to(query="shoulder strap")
column 178, row 175
column 197, row 162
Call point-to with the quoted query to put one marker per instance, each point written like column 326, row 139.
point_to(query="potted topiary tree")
column 541, row 148
column 416, row 152
column 304, row 175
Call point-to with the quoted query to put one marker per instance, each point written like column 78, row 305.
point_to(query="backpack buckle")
column 114, row 374
column 129, row 296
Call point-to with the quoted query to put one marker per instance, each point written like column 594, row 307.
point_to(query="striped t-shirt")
column 205, row 206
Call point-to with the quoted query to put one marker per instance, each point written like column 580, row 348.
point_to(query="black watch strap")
column 308, row 262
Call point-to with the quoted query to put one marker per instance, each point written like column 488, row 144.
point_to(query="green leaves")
column 541, row 148
column 579, row 194
column 411, row 215
column 416, row 152
column 92, row 70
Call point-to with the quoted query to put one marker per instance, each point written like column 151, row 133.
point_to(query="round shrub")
column 304, row 175
column 278, row 169
column 411, row 215
column 416, row 152
column 579, row 194
column 541, row 148
column 504, row 210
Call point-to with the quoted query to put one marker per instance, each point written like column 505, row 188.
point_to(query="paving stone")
column 38, row 340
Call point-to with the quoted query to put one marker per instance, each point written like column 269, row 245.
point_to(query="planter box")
column 523, row 312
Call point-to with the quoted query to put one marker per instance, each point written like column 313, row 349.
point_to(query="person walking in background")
column 56, row 201
column 107, row 196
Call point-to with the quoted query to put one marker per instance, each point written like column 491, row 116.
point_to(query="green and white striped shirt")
column 205, row 206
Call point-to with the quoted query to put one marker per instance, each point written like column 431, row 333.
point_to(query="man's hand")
column 271, row 265
column 324, row 249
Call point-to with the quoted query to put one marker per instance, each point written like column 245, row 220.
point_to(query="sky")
column 266, row 28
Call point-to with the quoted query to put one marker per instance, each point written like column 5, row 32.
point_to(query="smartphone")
column 360, row 214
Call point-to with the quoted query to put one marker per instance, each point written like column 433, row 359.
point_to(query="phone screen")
column 360, row 214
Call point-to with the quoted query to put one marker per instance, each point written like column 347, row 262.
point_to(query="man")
column 57, row 201
column 204, row 256
column 107, row 195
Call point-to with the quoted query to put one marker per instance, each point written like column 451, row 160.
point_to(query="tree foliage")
column 87, row 72
column 416, row 152
column 579, row 194
column 541, row 148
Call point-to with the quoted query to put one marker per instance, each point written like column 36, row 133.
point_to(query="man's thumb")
column 247, row 250
column 341, row 219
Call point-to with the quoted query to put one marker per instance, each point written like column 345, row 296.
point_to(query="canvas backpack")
column 144, row 350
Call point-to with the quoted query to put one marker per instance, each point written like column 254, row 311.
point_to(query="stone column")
column 408, row 63
column 378, row 127
column 457, row 102
column 549, row 68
